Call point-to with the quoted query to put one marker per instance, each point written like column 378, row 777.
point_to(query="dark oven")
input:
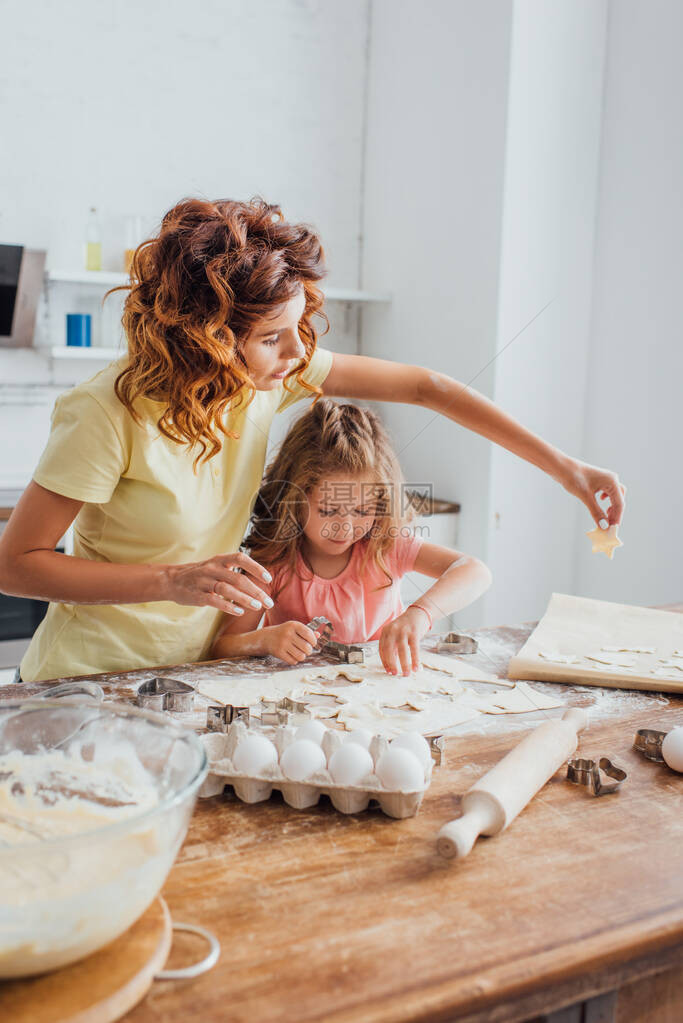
column 19, row 619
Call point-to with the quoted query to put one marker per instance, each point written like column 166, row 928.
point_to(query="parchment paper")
column 581, row 626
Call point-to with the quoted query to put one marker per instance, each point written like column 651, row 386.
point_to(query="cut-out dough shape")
column 463, row 672
column 614, row 661
column 629, row 649
column 604, row 540
column 437, row 718
column 318, row 710
column 241, row 692
column 559, row 658
column 459, row 669
column 386, row 693
column 520, row 700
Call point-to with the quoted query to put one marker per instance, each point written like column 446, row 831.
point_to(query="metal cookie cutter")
column 219, row 717
column 289, row 711
column 345, row 652
column 587, row 772
column 274, row 712
column 457, row 643
column 162, row 693
column 437, row 748
column 648, row 741
column 70, row 690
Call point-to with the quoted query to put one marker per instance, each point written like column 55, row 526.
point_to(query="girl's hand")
column 585, row 481
column 227, row 582
column 292, row 642
column 399, row 641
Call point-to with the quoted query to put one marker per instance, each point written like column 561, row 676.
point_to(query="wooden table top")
column 326, row 917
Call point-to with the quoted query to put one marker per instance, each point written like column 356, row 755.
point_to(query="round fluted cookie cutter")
column 196, row 969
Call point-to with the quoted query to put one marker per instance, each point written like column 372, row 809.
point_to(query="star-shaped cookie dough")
column 604, row 540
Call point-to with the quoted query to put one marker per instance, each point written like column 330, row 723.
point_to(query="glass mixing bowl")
column 123, row 783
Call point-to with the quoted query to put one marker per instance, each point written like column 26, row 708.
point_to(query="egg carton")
column 258, row 787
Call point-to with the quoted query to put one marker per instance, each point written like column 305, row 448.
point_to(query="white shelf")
column 93, row 354
column 110, row 279
column 103, row 278
column 355, row 295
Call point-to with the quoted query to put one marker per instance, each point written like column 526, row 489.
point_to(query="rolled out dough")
column 580, row 626
column 431, row 700
column 244, row 692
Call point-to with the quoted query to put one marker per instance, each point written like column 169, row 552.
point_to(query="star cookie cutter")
column 219, row 717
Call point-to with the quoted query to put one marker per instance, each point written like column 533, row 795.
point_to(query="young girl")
column 329, row 526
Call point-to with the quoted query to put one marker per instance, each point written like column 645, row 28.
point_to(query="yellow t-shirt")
column 145, row 504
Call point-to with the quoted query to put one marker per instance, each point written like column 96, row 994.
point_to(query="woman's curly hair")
column 327, row 439
column 197, row 289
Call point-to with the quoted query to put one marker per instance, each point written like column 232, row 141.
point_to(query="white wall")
column 551, row 181
column 635, row 378
column 481, row 179
column 129, row 107
column 433, row 194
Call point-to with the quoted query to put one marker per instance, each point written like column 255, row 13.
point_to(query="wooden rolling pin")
column 496, row 799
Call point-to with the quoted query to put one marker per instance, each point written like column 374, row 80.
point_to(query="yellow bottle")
column 93, row 243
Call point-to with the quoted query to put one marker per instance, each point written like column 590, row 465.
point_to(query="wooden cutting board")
column 101, row 988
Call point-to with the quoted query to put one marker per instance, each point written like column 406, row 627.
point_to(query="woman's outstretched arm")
column 358, row 376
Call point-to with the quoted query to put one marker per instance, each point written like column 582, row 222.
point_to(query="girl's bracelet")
column 423, row 608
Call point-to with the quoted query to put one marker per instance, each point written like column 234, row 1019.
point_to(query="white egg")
column 253, row 754
column 400, row 771
column 417, row 744
column 313, row 730
column 301, row 759
column 350, row 764
column 361, row 736
column 672, row 749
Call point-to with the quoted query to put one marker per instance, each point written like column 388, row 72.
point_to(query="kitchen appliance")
column 21, row 281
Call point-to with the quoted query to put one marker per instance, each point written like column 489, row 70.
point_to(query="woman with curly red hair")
column 158, row 458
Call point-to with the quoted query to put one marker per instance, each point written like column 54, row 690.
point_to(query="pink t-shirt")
column 351, row 601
